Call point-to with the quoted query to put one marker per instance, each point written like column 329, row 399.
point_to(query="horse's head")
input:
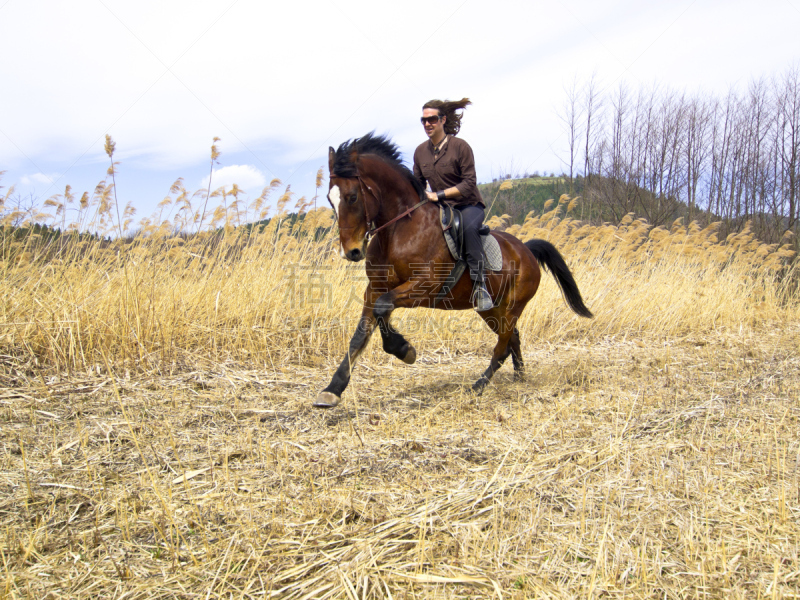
column 354, row 206
column 367, row 177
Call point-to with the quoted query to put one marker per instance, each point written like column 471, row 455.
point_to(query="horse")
column 384, row 217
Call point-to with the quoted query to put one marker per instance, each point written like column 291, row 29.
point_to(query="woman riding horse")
column 447, row 165
column 385, row 217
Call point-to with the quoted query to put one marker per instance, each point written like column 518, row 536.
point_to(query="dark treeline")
column 664, row 154
column 16, row 239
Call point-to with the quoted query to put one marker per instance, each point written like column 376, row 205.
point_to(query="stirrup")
column 481, row 300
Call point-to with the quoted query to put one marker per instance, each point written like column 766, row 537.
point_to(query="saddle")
column 451, row 222
column 450, row 219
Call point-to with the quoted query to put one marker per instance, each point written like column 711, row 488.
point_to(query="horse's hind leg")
column 516, row 355
column 505, row 333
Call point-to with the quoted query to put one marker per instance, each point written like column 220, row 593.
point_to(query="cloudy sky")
column 280, row 82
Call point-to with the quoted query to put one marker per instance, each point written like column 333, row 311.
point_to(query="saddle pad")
column 491, row 248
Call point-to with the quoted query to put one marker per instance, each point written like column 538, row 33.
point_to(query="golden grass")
column 278, row 295
column 621, row 468
column 157, row 439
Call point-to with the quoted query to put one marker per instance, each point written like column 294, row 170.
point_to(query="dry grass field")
column 157, row 438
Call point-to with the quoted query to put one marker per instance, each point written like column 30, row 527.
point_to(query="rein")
column 400, row 216
column 371, row 229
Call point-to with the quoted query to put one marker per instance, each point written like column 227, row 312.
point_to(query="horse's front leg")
column 332, row 395
column 376, row 311
column 393, row 341
column 405, row 295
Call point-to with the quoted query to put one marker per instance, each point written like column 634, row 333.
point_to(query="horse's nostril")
column 354, row 254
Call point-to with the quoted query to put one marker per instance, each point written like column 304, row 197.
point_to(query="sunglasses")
column 432, row 120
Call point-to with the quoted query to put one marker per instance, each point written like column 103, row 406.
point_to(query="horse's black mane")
column 381, row 146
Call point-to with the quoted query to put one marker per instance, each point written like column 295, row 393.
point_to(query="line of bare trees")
column 665, row 154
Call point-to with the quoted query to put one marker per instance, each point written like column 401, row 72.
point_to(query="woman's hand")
column 432, row 196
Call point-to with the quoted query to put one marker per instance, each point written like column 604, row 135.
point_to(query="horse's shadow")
column 283, row 422
column 427, row 395
column 333, row 418
column 433, row 392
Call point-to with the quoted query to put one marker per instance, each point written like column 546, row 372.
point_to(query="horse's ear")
column 331, row 158
column 354, row 152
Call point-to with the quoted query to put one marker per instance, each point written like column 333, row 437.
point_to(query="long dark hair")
column 447, row 109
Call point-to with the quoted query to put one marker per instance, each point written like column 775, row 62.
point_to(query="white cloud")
column 278, row 100
column 38, row 179
column 247, row 177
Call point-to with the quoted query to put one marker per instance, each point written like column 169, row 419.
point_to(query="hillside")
column 526, row 194
column 604, row 201
column 610, row 201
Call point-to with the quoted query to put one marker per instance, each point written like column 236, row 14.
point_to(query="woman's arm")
column 451, row 192
column 469, row 179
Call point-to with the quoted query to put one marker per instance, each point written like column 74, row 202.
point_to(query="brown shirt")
column 454, row 166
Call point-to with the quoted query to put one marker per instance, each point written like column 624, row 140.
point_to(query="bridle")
column 371, row 229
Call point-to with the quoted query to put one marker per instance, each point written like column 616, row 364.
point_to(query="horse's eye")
column 352, row 199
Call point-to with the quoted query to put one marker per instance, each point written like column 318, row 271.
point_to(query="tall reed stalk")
column 280, row 292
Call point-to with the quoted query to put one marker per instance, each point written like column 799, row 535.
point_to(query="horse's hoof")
column 326, row 400
column 479, row 385
column 519, row 376
column 411, row 356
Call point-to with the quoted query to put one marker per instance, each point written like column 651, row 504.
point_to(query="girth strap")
column 451, row 281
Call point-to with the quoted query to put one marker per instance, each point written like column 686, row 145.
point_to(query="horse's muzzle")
column 355, row 255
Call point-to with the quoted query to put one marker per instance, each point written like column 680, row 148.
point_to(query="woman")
column 446, row 164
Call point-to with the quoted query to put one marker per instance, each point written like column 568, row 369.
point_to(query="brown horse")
column 408, row 260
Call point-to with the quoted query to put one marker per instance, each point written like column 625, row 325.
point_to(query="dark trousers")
column 472, row 219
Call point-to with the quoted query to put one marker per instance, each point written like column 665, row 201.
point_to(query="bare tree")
column 789, row 142
column 570, row 114
column 698, row 118
column 592, row 105
column 663, row 153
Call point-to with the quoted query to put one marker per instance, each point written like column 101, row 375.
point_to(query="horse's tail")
column 551, row 259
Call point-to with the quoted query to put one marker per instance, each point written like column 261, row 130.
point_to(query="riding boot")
column 472, row 218
column 481, row 299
